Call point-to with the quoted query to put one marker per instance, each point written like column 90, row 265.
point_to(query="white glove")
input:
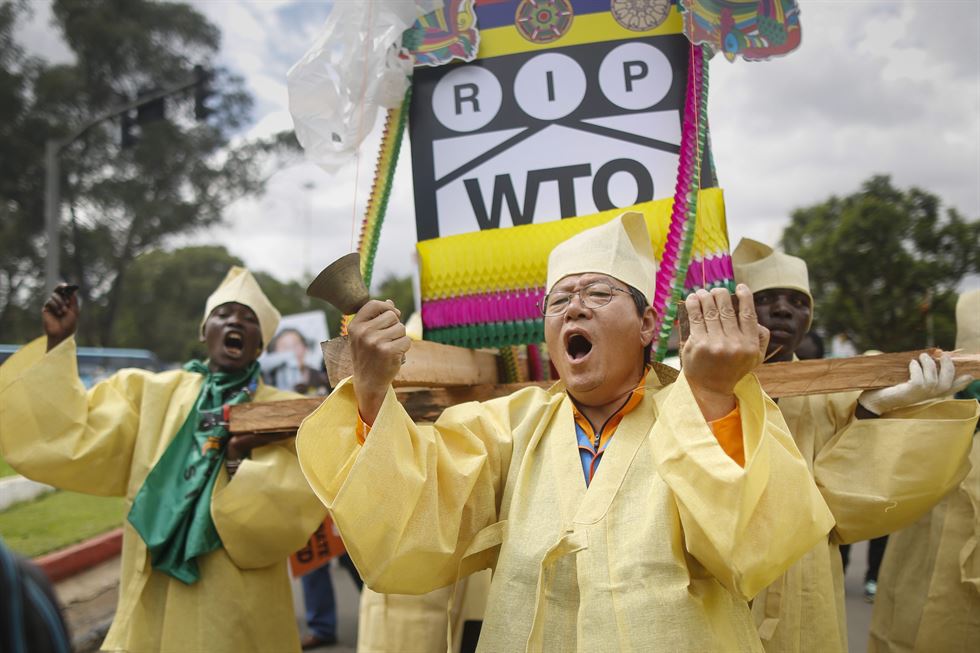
column 924, row 384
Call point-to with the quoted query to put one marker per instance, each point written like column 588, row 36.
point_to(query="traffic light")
column 202, row 92
column 152, row 110
column 146, row 112
column 128, row 138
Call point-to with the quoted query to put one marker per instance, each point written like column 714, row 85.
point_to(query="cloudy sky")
column 878, row 86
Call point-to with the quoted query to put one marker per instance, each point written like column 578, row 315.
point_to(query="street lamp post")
column 52, row 212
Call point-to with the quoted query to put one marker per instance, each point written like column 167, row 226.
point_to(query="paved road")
column 858, row 610
column 347, row 603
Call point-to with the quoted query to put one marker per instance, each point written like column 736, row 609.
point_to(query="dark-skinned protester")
column 204, row 553
column 881, row 458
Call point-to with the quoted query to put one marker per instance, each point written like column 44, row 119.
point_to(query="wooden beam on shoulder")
column 425, row 404
column 827, row 375
column 273, row 418
column 427, row 364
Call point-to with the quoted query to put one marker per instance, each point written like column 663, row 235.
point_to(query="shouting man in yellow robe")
column 929, row 597
column 880, row 458
column 204, row 555
column 618, row 512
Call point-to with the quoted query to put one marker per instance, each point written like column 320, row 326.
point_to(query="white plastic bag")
column 355, row 66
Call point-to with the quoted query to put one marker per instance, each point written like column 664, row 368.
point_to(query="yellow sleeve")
column 53, row 431
column 267, row 511
column 411, row 500
column 746, row 525
column 880, row 475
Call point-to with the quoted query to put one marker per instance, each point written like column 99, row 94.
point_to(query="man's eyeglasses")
column 594, row 295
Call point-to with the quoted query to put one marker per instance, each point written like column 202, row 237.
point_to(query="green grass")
column 5, row 469
column 57, row 520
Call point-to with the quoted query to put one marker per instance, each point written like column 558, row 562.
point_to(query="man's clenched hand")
column 722, row 348
column 378, row 344
column 59, row 315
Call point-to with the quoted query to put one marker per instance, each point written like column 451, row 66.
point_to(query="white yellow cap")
column 619, row 248
column 240, row 286
column 968, row 322
column 760, row 267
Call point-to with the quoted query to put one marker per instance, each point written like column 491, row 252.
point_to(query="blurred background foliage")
column 128, row 183
column 885, row 265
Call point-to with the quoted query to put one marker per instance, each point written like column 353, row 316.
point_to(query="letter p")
column 634, row 71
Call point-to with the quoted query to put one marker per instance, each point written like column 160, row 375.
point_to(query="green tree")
column 20, row 179
column 398, row 290
column 163, row 297
column 884, row 264
column 119, row 199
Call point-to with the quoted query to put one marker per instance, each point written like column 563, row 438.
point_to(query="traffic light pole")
column 52, row 176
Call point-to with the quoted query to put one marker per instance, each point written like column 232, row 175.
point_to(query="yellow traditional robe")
column 876, row 475
column 395, row 623
column 929, row 585
column 105, row 441
column 660, row 553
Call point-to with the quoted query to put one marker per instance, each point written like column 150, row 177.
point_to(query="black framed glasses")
column 594, row 295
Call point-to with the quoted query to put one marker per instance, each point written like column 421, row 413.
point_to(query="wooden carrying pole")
column 825, row 375
column 436, row 376
column 427, row 364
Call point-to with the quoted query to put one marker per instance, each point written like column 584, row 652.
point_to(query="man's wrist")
column 369, row 403
column 54, row 341
column 714, row 404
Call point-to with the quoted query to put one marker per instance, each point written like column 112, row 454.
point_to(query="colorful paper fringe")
column 482, row 289
column 672, row 275
column 384, row 174
column 377, row 204
column 669, row 262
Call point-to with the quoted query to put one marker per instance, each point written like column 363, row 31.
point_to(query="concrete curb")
column 91, row 640
column 17, row 489
column 78, row 557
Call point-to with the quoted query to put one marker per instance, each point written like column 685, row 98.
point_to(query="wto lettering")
column 523, row 212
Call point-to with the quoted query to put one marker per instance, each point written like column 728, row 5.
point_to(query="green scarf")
column 971, row 391
column 172, row 510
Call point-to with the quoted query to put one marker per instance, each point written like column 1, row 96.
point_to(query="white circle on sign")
column 466, row 98
column 549, row 86
column 635, row 76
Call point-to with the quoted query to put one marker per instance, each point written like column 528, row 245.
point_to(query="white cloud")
column 867, row 93
column 36, row 32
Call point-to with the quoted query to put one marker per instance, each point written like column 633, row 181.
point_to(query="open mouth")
column 234, row 343
column 578, row 346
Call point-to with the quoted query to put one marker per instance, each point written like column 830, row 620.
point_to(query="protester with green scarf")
column 204, row 554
